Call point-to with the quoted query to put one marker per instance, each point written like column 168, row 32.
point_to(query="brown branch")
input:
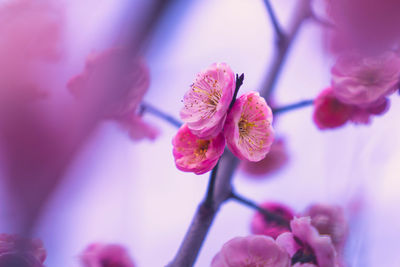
column 303, row 12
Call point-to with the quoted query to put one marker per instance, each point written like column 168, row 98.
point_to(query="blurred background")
column 121, row 191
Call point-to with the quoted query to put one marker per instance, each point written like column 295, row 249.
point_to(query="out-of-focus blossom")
column 207, row 102
column 364, row 24
column 131, row 86
column 137, row 128
column 329, row 220
column 305, row 245
column 363, row 81
column 16, row 251
column 253, row 250
column 276, row 158
column 106, row 255
column 330, row 112
column 193, row 154
column 248, row 128
column 129, row 91
column 261, row 225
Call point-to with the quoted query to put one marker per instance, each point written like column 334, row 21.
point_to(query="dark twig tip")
column 239, row 83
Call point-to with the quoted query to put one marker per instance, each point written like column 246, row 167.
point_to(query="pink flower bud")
column 252, row 250
column 329, row 112
column 207, row 102
column 248, row 128
column 193, row 154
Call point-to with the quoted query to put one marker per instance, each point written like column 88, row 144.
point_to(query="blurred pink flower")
column 207, row 102
column 255, row 250
column 106, row 255
column 305, row 245
column 16, row 251
column 137, row 128
column 329, row 220
column 193, row 154
column 365, row 24
column 132, row 86
column 276, row 158
column 261, row 225
column 248, row 128
column 330, row 112
column 363, row 115
column 362, row 81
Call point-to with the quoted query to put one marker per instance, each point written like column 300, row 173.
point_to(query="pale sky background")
column 131, row 193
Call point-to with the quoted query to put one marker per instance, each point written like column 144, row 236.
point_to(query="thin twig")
column 301, row 104
column 145, row 107
column 270, row 216
column 274, row 20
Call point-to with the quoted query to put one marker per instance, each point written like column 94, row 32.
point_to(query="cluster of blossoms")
column 359, row 90
column 211, row 121
column 314, row 240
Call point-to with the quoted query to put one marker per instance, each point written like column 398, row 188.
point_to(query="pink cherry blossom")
column 248, row 128
column 193, row 154
column 261, row 225
column 276, row 158
column 364, row 80
column 329, row 220
column 207, row 102
column 106, row 255
column 255, row 250
column 305, row 245
column 16, row 251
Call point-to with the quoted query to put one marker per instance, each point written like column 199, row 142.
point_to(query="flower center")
column 304, row 255
column 202, row 147
column 245, row 127
column 369, row 77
